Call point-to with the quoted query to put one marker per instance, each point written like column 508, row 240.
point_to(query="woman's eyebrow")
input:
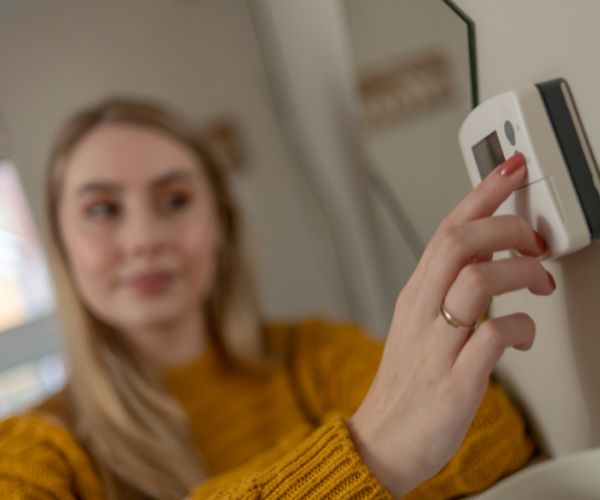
column 93, row 186
column 174, row 175
column 113, row 187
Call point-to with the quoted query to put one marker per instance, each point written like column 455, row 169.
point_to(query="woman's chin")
column 140, row 316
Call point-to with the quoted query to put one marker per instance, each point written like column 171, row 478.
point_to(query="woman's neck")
column 172, row 343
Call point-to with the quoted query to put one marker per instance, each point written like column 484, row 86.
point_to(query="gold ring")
column 451, row 320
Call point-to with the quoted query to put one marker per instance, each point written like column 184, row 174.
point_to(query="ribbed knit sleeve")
column 335, row 364
column 323, row 464
column 41, row 460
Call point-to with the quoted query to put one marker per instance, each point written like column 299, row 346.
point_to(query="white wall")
column 559, row 379
column 311, row 68
column 202, row 57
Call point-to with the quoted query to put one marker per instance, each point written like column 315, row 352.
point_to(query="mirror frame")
column 472, row 49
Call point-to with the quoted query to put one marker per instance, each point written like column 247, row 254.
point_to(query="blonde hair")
column 134, row 431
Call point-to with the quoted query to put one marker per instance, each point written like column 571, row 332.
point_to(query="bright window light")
column 25, row 291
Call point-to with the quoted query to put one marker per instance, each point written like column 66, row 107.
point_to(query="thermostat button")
column 509, row 130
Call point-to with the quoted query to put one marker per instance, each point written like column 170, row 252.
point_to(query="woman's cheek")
column 95, row 262
column 199, row 250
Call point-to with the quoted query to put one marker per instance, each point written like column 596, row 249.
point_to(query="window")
column 25, row 292
column 30, row 366
column 29, row 382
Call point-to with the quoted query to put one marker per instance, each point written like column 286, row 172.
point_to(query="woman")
column 177, row 388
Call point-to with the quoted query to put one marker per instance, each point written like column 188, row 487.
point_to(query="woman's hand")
column 433, row 375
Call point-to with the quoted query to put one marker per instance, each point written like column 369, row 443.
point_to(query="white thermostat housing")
column 560, row 195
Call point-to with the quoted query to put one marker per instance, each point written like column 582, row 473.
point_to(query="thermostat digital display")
column 488, row 154
column 560, row 195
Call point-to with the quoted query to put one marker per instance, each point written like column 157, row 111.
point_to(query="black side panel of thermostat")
column 572, row 150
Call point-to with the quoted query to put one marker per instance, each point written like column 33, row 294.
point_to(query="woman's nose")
column 144, row 235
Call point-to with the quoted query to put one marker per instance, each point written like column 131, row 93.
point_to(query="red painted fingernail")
column 552, row 282
column 512, row 165
column 539, row 241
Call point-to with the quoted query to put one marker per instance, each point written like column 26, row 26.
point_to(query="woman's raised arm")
column 436, row 364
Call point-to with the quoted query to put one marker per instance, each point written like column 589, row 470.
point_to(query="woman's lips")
column 151, row 282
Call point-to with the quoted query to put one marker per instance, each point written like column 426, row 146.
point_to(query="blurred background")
column 336, row 121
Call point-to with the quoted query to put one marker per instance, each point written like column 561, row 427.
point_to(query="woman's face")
column 139, row 224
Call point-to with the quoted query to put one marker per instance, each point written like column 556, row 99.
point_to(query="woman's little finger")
column 486, row 345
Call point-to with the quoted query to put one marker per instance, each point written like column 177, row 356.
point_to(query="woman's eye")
column 100, row 211
column 175, row 201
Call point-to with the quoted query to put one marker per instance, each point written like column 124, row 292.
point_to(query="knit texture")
column 277, row 433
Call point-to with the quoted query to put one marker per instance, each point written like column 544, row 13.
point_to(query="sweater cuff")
column 325, row 465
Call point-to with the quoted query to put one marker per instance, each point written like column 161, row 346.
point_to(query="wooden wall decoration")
column 396, row 90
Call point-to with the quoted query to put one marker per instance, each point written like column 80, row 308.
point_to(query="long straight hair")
column 135, row 432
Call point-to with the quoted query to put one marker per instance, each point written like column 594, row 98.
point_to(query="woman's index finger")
column 487, row 196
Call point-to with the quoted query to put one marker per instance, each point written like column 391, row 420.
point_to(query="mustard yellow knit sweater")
column 279, row 435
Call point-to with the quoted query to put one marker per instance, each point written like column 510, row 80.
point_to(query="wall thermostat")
column 560, row 195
